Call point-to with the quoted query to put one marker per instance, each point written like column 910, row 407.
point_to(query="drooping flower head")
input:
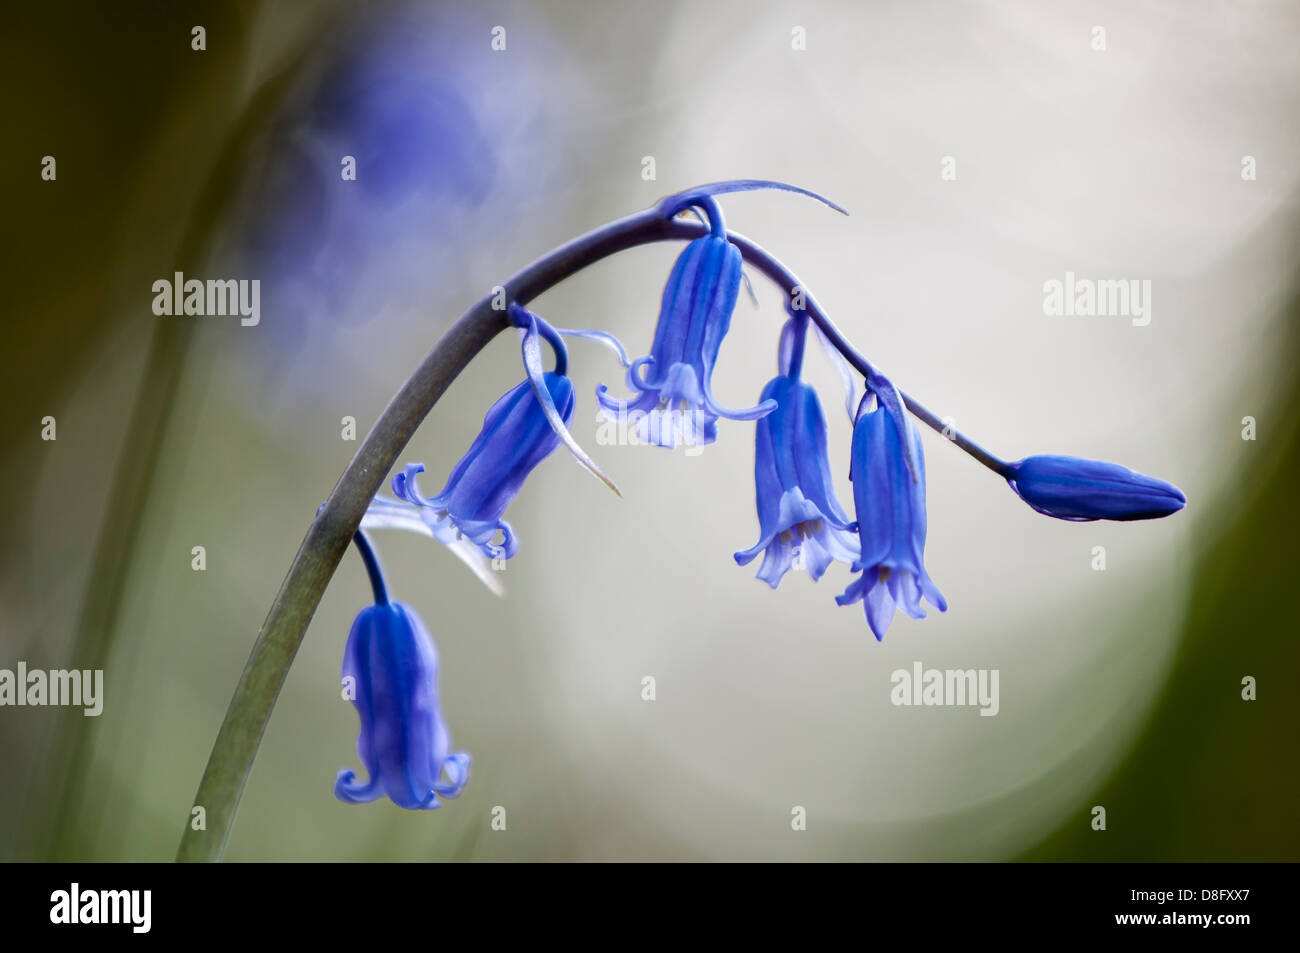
column 515, row 438
column 674, row 399
column 673, row 384
column 391, row 665
column 1072, row 488
column 520, row 431
column 798, row 514
column 888, row 473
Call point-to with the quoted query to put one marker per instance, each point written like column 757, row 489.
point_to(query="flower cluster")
column 801, row 523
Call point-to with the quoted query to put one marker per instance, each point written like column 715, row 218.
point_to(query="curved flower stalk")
column 390, row 666
column 794, row 493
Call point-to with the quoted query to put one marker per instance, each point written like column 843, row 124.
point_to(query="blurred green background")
column 1119, row 688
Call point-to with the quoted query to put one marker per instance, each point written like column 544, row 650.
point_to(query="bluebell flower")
column 391, row 666
column 798, row 514
column 888, row 473
column 674, row 396
column 1072, row 488
column 520, row 431
column 515, row 438
column 403, row 744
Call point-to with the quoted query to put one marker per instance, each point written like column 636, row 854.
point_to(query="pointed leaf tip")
column 532, row 353
column 673, row 204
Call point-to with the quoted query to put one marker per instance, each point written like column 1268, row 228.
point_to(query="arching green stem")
column 338, row 519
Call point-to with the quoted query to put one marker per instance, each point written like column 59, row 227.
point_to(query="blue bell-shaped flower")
column 674, row 396
column 515, row 438
column 888, row 474
column 390, row 666
column 798, row 514
column 520, row 430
